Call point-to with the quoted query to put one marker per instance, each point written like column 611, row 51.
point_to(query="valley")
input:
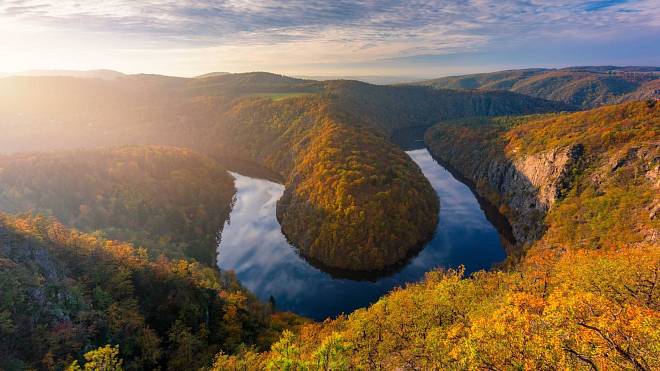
column 581, row 290
column 268, row 265
column 436, row 221
column 352, row 200
column 308, row 185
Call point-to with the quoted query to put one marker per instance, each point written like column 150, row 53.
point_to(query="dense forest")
column 584, row 87
column 171, row 201
column 372, row 206
column 65, row 293
column 352, row 200
column 585, row 295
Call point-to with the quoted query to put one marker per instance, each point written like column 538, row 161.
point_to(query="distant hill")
column 212, row 74
column 584, row 87
column 371, row 79
column 92, row 74
column 50, row 112
column 390, row 108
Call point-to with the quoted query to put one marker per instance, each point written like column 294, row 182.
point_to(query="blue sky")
column 322, row 37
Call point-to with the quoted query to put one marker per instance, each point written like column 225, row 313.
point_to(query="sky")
column 326, row 37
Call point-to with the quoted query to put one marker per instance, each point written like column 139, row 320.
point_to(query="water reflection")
column 253, row 246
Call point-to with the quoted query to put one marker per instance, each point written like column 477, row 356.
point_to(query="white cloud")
column 253, row 33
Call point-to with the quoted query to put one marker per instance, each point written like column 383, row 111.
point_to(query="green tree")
column 285, row 354
column 332, row 354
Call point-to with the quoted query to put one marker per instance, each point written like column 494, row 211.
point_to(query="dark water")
column 253, row 246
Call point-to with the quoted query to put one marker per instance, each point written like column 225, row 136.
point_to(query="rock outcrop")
column 524, row 188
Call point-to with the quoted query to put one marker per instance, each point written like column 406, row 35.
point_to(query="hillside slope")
column 391, row 108
column 584, row 87
column 64, row 293
column 171, row 201
column 591, row 177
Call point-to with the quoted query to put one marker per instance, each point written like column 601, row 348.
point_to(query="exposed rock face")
column 545, row 176
column 526, row 187
column 530, row 185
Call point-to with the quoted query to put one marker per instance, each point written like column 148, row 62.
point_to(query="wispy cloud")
column 314, row 31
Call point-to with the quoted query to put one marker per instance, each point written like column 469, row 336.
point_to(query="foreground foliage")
column 64, row 293
column 104, row 358
column 575, row 310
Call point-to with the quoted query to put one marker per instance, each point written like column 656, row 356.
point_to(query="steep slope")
column 584, row 296
column 584, row 87
column 171, row 201
column 564, row 171
column 64, row 293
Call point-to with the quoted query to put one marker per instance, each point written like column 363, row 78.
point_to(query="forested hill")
column 65, row 293
column 171, row 201
column 352, row 199
column 583, row 296
column 584, row 87
column 390, row 108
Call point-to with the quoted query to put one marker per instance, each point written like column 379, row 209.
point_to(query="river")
column 253, row 246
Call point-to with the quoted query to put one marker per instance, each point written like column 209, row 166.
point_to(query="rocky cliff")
column 574, row 180
column 524, row 188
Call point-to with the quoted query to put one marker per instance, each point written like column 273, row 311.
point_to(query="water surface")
column 253, row 245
